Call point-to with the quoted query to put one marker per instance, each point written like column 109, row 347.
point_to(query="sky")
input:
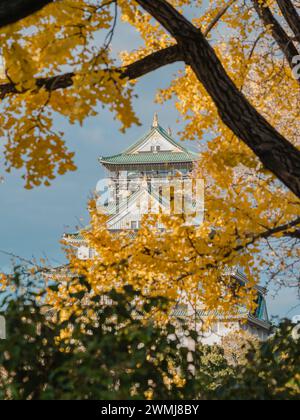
column 32, row 222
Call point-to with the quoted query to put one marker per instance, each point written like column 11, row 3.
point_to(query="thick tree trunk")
column 291, row 16
column 284, row 42
column 11, row 11
column 276, row 153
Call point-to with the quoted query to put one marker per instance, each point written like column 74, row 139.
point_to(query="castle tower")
column 156, row 163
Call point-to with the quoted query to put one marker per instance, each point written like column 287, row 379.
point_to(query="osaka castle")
column 141, row 174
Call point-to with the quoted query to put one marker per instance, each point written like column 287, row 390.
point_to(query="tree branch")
column 152, row 62
column 291, row 15
column 275, row 152
column 218, row 17
column 294, row 235
column 268, row 234
column 11, row 11
column 284, row 42
column 133, row 71
column 281, row 229
column 136, row 70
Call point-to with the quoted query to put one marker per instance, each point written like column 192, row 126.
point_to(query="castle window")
column 134, row 225
column 155, row 149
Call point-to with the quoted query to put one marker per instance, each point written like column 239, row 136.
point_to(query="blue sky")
column 32, row 222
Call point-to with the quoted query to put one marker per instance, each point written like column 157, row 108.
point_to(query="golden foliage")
column 245, row 204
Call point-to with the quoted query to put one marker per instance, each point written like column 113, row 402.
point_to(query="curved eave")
column 73, row 239
column 59, row 273
column 259, row 323
column 165, row 164
column 241, row 277
column 227, row 318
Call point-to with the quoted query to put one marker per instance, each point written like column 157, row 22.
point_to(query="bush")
column 117, row 352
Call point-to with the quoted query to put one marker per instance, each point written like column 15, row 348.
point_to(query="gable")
column 156, row 142
column 137, row 207
column 156, row 137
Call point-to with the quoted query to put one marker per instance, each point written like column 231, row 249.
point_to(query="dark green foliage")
column 119, row 355
column 271, row 373
column 212, row 369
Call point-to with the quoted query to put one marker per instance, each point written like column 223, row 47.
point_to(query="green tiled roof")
column 151, row 158
column 144, row 158
column 181, row 311
column 73, row 237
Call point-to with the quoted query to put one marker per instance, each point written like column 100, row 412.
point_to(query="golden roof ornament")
column 155, row 121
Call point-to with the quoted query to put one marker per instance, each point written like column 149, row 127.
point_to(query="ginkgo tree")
column 237, row 84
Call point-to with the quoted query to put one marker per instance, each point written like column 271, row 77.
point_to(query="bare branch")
column 284, row 229
column 283, row 40
column 218, row 17
column 266, row 234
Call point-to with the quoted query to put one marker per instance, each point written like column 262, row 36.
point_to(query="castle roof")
column 143, row 151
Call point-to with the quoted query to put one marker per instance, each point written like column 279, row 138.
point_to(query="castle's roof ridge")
column 130, row 156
